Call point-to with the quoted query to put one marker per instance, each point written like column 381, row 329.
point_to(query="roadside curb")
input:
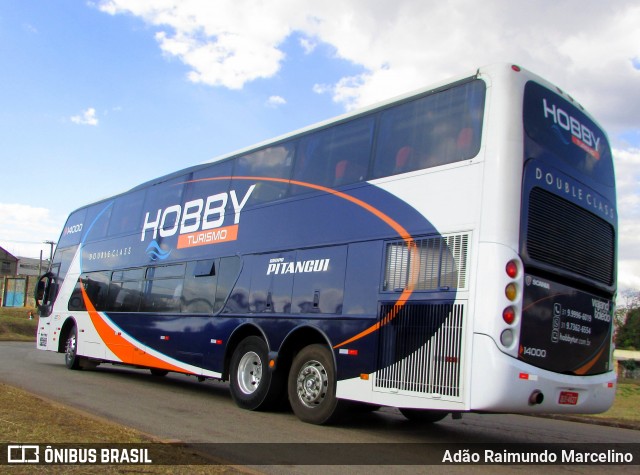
column 591, row 420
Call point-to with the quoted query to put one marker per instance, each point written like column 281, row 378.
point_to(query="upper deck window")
column 335, row 156
column 440, row 128
column 271, row 162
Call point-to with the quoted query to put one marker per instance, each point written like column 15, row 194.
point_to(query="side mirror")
column 39, row 291
column 45, row 293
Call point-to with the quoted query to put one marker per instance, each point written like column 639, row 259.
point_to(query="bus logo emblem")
column 581, row 135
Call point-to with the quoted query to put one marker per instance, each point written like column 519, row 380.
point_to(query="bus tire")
column 71, row 358
column 312, row 386
column 424, row 416
column 253, row 385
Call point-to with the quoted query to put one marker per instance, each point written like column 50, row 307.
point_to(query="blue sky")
column 98, row 96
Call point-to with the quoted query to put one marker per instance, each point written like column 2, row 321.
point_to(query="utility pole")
column 51, row 244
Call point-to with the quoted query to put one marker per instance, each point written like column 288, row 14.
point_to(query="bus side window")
column 125, row 291
column 98, row 215
column 162, row 295
column 271, row 162
column 163, row 288
column 96, row 287
column 227, row 276
column 126, row 213
column 200, row 283
column 124, row 296
column 335, row 156
column 441, row 128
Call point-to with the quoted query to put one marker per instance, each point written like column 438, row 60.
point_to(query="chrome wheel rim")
column 70, row 350
column 249, row 372
column 312, row 384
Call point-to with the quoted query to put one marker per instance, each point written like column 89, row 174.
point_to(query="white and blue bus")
column 448, row 251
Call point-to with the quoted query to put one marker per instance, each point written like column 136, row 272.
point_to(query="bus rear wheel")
column 71, row 358
column 312, row 386
column 253, row 385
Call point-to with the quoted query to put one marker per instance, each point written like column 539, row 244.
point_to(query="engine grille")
column 566, row 236
column 420, row 349
column 431, row 263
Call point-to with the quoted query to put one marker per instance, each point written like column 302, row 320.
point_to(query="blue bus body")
column 364, row 260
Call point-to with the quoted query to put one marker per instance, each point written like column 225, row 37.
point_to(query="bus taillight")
column 506, row 338
column 511, row 291
column 509, row 315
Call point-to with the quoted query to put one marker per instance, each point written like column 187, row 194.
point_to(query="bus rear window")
column 559, row 130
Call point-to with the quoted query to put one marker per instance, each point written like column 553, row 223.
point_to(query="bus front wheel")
column 312, row 385
column 253, row 385
column 71, row 358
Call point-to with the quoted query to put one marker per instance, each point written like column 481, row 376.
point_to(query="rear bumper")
column 501, row 383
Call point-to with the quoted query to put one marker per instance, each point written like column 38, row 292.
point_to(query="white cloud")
column 322, row 88
column 588, row 52
column 225, row 43
column 29, row 28
column 627, row 163
column 628, row 275
column 21, row 223
column 87, row 117
column 590, row 48
column 307, row 45
column 276, row 101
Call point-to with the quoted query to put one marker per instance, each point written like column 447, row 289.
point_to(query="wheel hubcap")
column 312, row 384
column 249, row 372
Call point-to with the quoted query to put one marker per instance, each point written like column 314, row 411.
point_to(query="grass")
column 626, row 404
column 29, row 419
column 15, row 324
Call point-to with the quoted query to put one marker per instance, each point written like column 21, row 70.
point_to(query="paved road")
column 180, row 408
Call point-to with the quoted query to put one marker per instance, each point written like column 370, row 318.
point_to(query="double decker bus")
column 448, row 251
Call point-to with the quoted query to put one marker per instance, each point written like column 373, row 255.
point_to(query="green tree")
column 628, row 335
column 628, row 300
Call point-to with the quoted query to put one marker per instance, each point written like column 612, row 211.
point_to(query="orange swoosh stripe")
column 583, row 369
column 398, row 228
column 122, row 348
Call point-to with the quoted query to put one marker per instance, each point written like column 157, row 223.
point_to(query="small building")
column 8, row 263
column 31, row 266
column 18, row 278
column 628, row 363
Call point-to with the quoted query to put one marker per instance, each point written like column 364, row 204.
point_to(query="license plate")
column 568, row 397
